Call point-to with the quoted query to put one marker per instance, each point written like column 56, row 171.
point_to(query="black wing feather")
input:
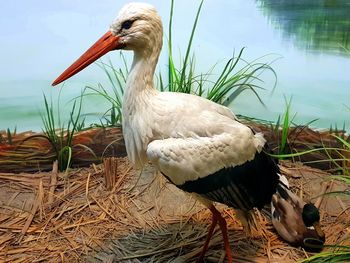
column 249, row 185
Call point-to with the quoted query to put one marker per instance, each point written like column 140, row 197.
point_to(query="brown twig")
column 53, row 182
column 32, row 213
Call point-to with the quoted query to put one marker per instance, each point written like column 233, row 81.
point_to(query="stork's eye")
column 127, row 24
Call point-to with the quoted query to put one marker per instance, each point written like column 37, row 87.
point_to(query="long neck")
column 140, row 79
column 138, row 93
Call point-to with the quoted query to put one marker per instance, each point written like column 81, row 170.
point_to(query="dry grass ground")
column 58, row 217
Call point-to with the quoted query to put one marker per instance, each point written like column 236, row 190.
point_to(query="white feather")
column 284, row 180
column 186, row 159
column 201, row 127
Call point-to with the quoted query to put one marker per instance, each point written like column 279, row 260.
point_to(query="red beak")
column 105, row 44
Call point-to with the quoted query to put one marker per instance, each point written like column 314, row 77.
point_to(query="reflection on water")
column 317, row 25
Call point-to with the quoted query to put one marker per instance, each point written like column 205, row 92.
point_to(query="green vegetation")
column 9, row 136
column 231, row 80
column 339, row 254
column 60, row 135
column 117, row 79
column 285, row 127
column 343, row 154
column 287, row 131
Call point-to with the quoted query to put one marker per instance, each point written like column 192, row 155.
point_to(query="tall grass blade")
column 188, row 50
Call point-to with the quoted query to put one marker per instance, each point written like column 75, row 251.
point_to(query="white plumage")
column 187, row 159
column 198, row 145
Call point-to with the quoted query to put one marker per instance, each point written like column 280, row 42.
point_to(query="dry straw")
column 48, row 217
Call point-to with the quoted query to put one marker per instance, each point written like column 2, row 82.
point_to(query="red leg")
column 223, row 227
column 210, row 234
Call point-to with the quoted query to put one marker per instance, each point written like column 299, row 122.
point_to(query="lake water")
column 311, row 37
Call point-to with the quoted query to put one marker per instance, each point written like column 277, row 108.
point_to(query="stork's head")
column 296, row 221
column 137, row 27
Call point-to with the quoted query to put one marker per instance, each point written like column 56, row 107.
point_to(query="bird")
column 198, row 145
column 296, row 221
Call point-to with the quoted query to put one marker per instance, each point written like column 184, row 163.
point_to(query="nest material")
column 30, row 152
column 72, row 217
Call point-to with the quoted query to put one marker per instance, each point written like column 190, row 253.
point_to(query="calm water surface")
column 312, row 37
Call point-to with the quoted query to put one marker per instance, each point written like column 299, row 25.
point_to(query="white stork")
column 200, row 146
